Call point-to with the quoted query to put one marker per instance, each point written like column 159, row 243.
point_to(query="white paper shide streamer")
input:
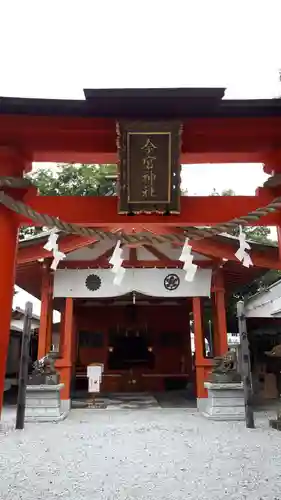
column 116, row 261
column 52, row 246
column 242, row 253
column 187, row 258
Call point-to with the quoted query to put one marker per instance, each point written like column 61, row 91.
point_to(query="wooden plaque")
column 149, row 167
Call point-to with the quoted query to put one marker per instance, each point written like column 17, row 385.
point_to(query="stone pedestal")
column 225, row 401
column 43, row 403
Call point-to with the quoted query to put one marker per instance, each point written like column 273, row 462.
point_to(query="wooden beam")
column 104, row 258
column 36, row 252
column 133, row 257
column 195, row 211
column 267, row 259
column 159, row 255
column 208, row 247
column 99, row 264
column 90, row 140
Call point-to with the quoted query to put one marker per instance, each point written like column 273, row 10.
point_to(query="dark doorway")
column 128, row 350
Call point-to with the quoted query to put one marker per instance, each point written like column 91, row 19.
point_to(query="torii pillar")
column 14, row 165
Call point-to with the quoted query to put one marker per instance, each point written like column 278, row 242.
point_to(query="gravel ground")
column 144, row 454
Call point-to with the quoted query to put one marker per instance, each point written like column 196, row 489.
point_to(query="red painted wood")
column 279, row 240
column 199, row 347
column 11, row 163
column 204, row 140
column 133, row 257
column 219, row 314
column 195, row 210
column 45, row 312
column 210, row 248
column 64, row 365
column 157, row 253
column 151, row 264
column 8, row 238
column 69, row 243
column 268, row 259
column 50, row 315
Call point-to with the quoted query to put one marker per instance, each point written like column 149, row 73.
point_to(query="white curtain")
column 152, row 282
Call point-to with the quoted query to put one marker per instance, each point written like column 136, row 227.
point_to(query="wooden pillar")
column 8, row 248
column 199, row 347
column 50, row 315
column 74, row 341
column 279, row 240
column 62, row 321
column 11, row 164
column 203, row 365
column 46, row 310
column 219, row 315
column 64, row 364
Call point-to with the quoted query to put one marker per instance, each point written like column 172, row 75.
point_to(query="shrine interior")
column 143, row 343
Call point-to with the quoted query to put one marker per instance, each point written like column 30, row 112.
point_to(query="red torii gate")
column 214, row 130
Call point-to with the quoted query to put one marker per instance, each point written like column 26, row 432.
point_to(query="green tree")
column 73, row 180
column 76, row 180
column 259, row 234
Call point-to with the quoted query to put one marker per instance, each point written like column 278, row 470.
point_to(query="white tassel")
column 241, row 254
column 187, row 258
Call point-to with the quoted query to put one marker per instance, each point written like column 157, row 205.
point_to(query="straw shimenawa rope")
column 194, row 233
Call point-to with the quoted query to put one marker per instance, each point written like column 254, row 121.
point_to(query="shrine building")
column 141, row 329
column 134, row 274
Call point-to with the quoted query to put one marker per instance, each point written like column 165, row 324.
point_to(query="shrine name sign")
column 149, row 167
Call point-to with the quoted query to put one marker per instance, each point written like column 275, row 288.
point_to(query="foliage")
column 100, row 180
column 76, row 180
column 73, row 180
column 259, row 234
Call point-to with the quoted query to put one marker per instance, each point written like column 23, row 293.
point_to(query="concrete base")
column 43, row 403
column 202, row 405
column 65, row 405
column 225, row 401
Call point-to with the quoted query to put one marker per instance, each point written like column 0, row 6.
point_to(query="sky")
column 54, row 49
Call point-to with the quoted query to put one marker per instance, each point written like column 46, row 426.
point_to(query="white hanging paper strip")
column 187, row 258
column 116, row 257
column 190, row 273
column 119, row 276
column 115, row 269
column 247, row 262
column 58, row 256
column 241, row 254
column 52, row 240
column 116, row 261
column 188, row 263
column 52, row 246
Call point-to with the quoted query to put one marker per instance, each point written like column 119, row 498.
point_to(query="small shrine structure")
column 126, row 271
